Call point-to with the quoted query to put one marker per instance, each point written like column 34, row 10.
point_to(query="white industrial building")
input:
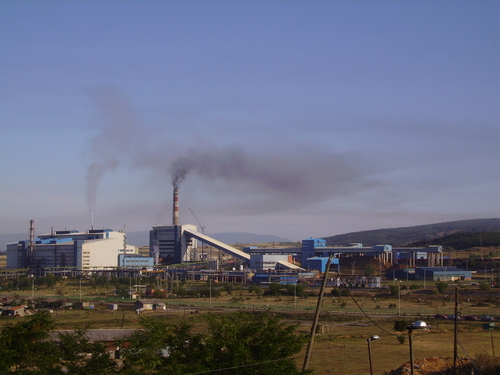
column 91, row 250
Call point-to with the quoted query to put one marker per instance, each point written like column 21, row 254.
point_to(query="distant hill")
column 464, row 240
column 405, row 235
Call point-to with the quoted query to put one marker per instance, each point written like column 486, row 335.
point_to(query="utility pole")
column 455, row 334
column 316, row 316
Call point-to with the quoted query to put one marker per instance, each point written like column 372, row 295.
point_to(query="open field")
column 341, row 349
column 347, row 321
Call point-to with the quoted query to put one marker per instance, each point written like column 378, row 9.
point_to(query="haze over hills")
column 405, row 235
column 390, row 236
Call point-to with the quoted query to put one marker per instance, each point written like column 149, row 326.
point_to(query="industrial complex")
column 177, row 244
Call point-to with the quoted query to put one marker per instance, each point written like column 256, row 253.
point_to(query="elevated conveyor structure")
column 218, row 245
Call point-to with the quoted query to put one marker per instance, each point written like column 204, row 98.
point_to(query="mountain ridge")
column 404, row 235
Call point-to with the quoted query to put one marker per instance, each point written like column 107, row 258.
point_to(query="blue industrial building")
column 319, row 263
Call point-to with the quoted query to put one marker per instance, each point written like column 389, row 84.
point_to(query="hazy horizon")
column 291, row 118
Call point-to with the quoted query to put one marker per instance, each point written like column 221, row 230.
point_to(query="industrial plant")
column 98, row 250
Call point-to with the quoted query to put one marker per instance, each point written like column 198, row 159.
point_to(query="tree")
column 236, row 344
column 394, row 290
column 400, row 325
column 369, row 270
column 244, row 344
column 273, row 290
column 441, row 286
column 163, row 348
column 25, row 346
column 80, row 356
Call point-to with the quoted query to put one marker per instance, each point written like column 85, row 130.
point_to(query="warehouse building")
column 442, row 274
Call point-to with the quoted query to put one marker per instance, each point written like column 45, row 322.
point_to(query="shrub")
column 344, row 293
column 394, row 290
column 441, row 286
column 400, row 325
column 484, row 286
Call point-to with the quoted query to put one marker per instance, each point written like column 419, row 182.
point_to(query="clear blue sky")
column 294, row 118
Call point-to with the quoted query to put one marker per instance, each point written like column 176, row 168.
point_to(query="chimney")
column 175, row 220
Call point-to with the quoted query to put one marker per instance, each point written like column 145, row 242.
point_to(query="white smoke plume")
column 114, row 134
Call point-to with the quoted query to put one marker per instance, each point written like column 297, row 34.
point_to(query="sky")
column 294, row 118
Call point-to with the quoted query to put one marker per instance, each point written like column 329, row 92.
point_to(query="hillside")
column 405, row 235
column 465, row 240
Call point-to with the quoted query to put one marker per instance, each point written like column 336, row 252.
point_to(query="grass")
column 342, row 349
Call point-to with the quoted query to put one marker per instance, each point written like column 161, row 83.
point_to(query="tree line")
column 464, row 240
column 232, row 344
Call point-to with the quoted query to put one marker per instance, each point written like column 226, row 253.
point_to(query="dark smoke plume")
column 292, row 173
column 266, row 178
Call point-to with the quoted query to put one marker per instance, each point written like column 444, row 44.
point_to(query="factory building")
column 91, row 250
column 267, row 262
column 169, row 244
column 442, row 273
column 430, row 273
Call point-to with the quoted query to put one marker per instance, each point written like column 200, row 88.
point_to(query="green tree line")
column 237, row 343
column 464, row 240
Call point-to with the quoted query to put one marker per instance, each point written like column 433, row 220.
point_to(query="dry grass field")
column 347, row 321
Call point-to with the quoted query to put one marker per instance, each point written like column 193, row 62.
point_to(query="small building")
column 143, row 305
column 442, row 274
column 146, row 304
column 267, row 262
column 113, row 306
column 84, row 305
column 14, row 311
column 319, row 263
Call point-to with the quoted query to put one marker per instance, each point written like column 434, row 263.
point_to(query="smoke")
column 257, row 178
column 116, row 126
column 95, row 173
column 286, row 176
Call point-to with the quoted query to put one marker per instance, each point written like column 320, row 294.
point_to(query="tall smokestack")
column 31, row 248
column 175, row 220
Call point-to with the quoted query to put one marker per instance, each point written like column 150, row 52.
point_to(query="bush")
column 484, row 364
column 484, row 286
column 257, row 289
column 400, row 325
column 394, row 290
column 441, row 286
